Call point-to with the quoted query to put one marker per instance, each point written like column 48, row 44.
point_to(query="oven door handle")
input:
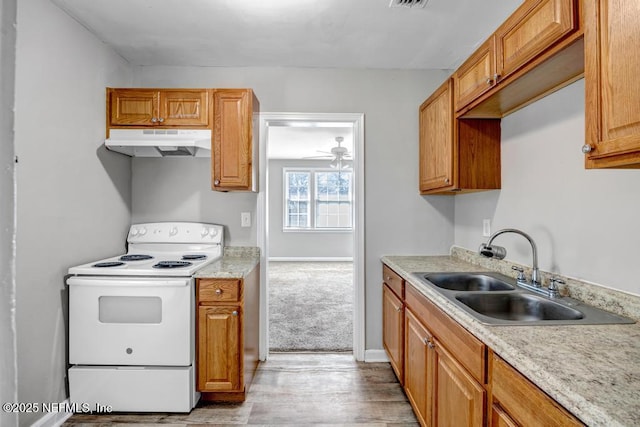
column 129, row 281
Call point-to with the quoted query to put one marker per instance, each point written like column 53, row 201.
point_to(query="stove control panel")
column 176, row 232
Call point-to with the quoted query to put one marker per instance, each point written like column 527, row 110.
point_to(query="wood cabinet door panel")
column 437, row 148
column 393, row 330
column 476, row 75
column 132, row 107
column 499, row 418
column 612, row 85
column 232, row 143
column 184, row 107
column 525, row 403
column 419, row 358
column 459, row 399
column 533, row 28
column 219, row 341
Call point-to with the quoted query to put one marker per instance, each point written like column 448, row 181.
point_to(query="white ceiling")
column 291, row 33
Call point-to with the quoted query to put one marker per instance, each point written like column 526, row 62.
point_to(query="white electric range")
column 132, row 320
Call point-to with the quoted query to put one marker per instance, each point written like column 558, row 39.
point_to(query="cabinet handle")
column 216, row 182
column 398, row 310
column 489, row 81
column 218, row 291
column 161, row 119
column 587, row 148
column 235, row 312
column 154, row 120
column 446, row 180
column 496, row 77
column 428, row 343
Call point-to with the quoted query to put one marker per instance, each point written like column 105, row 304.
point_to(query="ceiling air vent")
column 408, row 3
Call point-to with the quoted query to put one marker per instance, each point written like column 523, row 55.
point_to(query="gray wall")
column 398, row 220
column 585, row 222
column 73, row 197
column 8, row 370
column 300, row 244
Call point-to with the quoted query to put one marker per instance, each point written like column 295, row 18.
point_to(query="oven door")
column 131, row 321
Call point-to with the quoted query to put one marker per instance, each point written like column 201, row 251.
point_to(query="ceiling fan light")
column 335, row 163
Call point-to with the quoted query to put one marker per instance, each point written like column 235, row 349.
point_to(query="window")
column 318, row 200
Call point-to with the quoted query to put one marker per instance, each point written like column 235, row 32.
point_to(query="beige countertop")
column 236, row 263
column 592, row 370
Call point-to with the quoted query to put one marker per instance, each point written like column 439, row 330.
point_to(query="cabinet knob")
column 587, row 148
column 216, row 182
column 218, row 291
column 496, row 77
column 161, row 119
column 489, row 81
column 446, row 180
column 235, row 312
column 154, row 120
column 428, row 343
column 398, row 310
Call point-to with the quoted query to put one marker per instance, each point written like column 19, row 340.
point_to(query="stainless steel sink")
column 518, row 306
column 468, row 282
column 495, row 299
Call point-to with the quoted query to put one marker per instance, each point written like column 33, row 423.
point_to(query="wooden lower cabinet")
column 227, row 336
column 517, row 401
column 458, row 398
column 419, row 363
column 393, row 332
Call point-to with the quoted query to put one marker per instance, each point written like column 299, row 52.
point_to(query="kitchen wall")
column 584, row 222
column 8, row 370
column 398, row 220
column 73, row 202
column 300, row 244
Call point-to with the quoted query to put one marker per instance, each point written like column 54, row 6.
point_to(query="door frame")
column 262, row 224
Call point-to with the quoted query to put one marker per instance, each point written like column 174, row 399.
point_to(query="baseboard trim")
column 311, row 259
column 375, row 356
column 55, row 419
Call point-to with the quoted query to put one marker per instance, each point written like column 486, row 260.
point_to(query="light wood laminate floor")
column 301, row 389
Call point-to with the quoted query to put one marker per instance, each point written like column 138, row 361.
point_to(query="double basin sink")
column 495, row 299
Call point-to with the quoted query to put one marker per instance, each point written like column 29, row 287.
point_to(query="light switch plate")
column 486, row 227
column 245, row 219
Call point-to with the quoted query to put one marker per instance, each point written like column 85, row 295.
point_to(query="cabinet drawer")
column 469, row 351
column 393, row 280
column 523, row 401
column 219, row 290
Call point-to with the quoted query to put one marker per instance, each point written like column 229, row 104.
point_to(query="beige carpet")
column 310, row 306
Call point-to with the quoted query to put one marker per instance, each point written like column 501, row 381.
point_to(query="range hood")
column 160, row 142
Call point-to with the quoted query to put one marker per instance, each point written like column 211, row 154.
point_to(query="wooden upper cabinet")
column 476, row 75
column 159, row 107
column 537, row 50
column 530, row 30
column 437, row 148
column 612, row 52
column 233, row 139
column 456, row 155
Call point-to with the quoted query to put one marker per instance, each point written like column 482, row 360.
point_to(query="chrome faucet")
column 498, row 252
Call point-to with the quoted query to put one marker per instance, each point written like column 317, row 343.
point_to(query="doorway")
column 310, row 223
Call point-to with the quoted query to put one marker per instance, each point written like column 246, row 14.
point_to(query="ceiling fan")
column 341, row 156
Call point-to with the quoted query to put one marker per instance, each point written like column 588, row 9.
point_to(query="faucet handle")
column 521, row 277
column 554, row 290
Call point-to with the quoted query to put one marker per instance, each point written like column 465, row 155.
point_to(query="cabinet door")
column 437, row 148
column 458, row 399
column 524, row 402
column 419, row 357
column 393, row 330
column 133, row 107
column 499, row 418
column 232, row 139
column 184, row 108
column 476, row 75
column 219, row 341
column 535, row 27
column 612, row 61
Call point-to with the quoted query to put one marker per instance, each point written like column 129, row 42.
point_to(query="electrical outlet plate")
column 486, row 227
